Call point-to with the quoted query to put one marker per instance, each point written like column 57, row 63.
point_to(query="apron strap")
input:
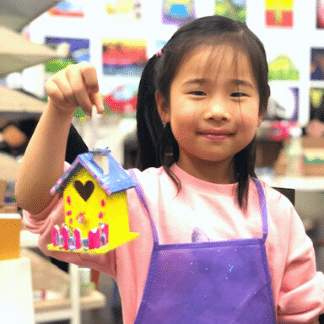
column 140, row 194
column 263, row 206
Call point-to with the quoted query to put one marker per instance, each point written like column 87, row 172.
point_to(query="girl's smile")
column 213, row 110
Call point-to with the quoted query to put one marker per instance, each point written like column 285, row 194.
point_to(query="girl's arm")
column 43, row 160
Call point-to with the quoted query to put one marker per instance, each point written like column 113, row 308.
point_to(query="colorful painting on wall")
column 315, row 127
column 124, row 57
column 178, row 12
column 124, row 9
column 122, row 99
column 283, row 103
column 317, row 64
column 279, row 13
column 79, row 52
column 234, row 9
column 283, row 68
column 68, row 8
column 320, row 13
column 317, row 103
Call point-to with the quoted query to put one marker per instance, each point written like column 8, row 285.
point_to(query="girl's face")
column 213, row 111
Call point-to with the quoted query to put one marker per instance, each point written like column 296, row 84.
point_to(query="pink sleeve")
column 301, row 297
column 54, row 215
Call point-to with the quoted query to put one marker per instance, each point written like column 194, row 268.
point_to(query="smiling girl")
column 216, row 244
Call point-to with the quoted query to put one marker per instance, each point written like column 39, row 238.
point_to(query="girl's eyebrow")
column 201, row 81
column 198, row 81
column 239, row 82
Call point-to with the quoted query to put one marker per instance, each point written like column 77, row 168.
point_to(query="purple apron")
column 208, row 282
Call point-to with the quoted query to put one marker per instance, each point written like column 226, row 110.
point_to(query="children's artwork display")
column 79, row 52
column 119, row 36
column 283, row 103
column 126, row 10
column 283, row 68
column 178, row 12
column 315, row 127
column 122, row 99
column 320, row 14
column 279, row 12
column 95, row 206
column 68, row 8
column 125, row 57
column 234, row 9
column 317, row 64
column 317, row 103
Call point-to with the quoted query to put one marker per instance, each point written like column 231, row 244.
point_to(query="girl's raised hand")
column 75, row 86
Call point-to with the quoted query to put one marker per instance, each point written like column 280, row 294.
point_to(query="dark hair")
column 156, row 143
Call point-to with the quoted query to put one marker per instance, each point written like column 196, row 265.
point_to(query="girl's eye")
column 198, row 93
column 238, row 94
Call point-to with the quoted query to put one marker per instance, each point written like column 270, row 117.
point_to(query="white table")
column 16, row 295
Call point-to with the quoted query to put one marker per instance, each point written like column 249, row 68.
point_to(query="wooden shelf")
column 306, row 183
column 93, row 300
column 48, row 276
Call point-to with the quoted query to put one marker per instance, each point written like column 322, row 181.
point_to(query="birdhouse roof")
column 115, row 181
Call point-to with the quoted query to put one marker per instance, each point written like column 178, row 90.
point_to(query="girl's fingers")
column 78, row 85
column 57, row 97
column 97, row 100
column 64, row 85
column 53, row 90
column 90, row 78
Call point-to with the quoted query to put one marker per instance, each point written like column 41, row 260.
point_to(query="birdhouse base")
column 101, row 250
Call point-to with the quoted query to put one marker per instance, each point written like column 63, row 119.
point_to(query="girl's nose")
column 217, row 110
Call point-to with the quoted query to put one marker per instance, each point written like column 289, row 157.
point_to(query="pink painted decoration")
column 105, row 230
column 68, row 199
column 69, row 213
column 81, row 218
column 103, row 204
column 77, row 235
column 94, row 239
column 55, row 235
column 101, row 215
column 65, row 235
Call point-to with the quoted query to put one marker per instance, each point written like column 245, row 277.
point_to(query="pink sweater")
column 298, row 289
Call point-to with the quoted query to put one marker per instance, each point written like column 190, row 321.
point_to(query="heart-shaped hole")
column 86, row 190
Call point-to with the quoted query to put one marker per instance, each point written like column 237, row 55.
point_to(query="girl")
column 216, row 245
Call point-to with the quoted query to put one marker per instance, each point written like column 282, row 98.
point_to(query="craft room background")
column 118, row 37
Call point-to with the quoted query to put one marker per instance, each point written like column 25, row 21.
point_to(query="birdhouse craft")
column 95, row 205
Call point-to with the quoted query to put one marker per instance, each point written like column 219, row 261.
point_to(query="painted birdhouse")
column 95, row 205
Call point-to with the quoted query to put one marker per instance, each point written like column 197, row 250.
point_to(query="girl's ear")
column 162, row 107
column 261, row 118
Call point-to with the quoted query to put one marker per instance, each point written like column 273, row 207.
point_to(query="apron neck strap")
column 263, row 206
column 140, row 194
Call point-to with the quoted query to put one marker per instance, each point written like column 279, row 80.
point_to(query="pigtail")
column 149, row 124
column 156, row 144
column 244, row 163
